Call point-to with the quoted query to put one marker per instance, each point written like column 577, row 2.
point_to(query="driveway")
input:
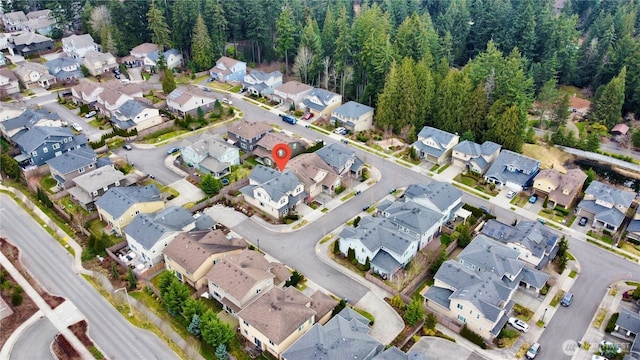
column 188, row 193
column 135, row 74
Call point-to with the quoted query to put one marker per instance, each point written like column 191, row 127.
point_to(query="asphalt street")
column 35, row 342
column 51, row 265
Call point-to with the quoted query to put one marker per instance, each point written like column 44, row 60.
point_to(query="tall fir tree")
column 157, row 25
column 201, row 49
column 285, row 35
column 607, row 109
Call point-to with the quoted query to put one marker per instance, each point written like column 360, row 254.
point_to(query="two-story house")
column 64, row 69
column 435, row 145
column 210, row 155
column 321, row 103
column 40, row 21
column 9, row 83
column 245, row 134
column 42, row 143
column 188, row 99
column 86, row 92
column 146, row 55
column 342, row 160
column 471, row 156
column 228, row 69
column 77, row 46
column 353, row 116
column 291, row 92
column 13, row 21
column 633, row 229
column 191, row 255
column 316, row 175
column 238, row 279
column 72, row 164
column 273, row 192
column 98, row 63
column 29, row 43
column 118, row 206
column 512, row 170
column 259, row 83
column 264, row 147
column 608, row 205
column 33, row 73
column 26, row 120
column 137, row 115
column 90, row 186
column 561, row 189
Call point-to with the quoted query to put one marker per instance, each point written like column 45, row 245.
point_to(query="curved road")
column 35, row 341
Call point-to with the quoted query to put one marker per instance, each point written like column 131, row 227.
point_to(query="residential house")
column 172, row 58
column 437, row 195
column 40, row 21
column 316, row 175
column 435, row 145
column 9, row 110
column 4, row 44
column 628, row 327
column 228, row 69
column 277, row 319
column 291, row 92
column 633, row 229
column 3, row 59
column 210, row 155
column 342, row 160
column 42, row 143
column 86, row 92
column 92, row 185
column 608, row 205
column 338, row 339
column 353, row 116
column 245, row 134
column 98, row 63
column 188, row 99
column 578, row 105
column 393, row 353
column 137, row 115
column 191, row 255
column 64, row 69
column 321, row 102
column 13, row 21
column 29, row 43
column 28, row 119
column 118, row 206
column 512, row 170
column 561, row 189
column 272, row 192
column 474, row 157
column 260, row 83
column 238, row 279
column 264, row 147
column 148, row 234
column 72, row 164
column 147, row 55
column 31, row 73
column 77, row 46
column 536, row 243
column 9, row 84
column 114, row 94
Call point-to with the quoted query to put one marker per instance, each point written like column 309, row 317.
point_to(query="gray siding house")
column 42, row 143
column 512, row 170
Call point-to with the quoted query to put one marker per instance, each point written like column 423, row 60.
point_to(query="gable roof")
column 93, row 56
column 311, row 169
column 144, row 48
column 475, row 149
column 39, row 14
column 276, row 184
column 487, row 254
column 294, row 87
column 393, row 353
column 79, row 41
column 29, row 118
column 568, row 185
column 5, row 72
column 352, row 109
column 24, row 68
column 31, row 139
column 28, row 38
column 525, row 167
column 270, row 139
column 183, row 94
column 98, row 178
column 248, row 129
column 436, row 194
column 117, row 200
column 73, row 160
column 191, row 249
column 610, row 194
column 227, row 62
column 531, row 235
column 621, row 128
column 336, row 155
column 61, row 62
column 208, row 144
column 262, row 76
column 377, row 233
column 147, row 229
column 16, row 16
column 413, row 216
column 324, row 96
column 131, row 108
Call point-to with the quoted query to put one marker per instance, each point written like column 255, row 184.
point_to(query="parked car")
column 583, row 221
column 606, row 343
column 127, row 147
column 366, row 207
column 173, row 150
column 227, row 101
column 533, row 199
column 77, row 127
column 485, row 210
column 567, row 299
column 90, row 114
column 533, row 351
column 598, row 357
column 542, row 221
column 511, row 194
column 518, row 324
column 338, row 130
column 117, row 76
column 307, row 116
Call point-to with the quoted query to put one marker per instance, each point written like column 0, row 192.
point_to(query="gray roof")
column 350, row 314
column 98, row 179
column 154, row 54
column 393, row 353
column 440, row 137
column 31, row 139
column 338, row 339
column 378, row 233
column 486, row 254
column 117, row 200
column 384, row 261
column 29, row 118
column 323, row 95
column 525, row 168
column 413, row 216
column 276, row 184
column 73, row 160
column 59, row 63
column 147, row 229
column 28, row 38
column 130, row 109
column 263, row 76
column 629, row 320
column 437, row 194
column 79, row 41
column 534, row 277
column 530, row 234
column 610, row 194
column 352, row 109
column 475, row 149
column 208, row 144
column 336, row 155
column 634, row 225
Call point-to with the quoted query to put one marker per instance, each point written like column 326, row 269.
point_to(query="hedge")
column 473, row 337
column 611, row 325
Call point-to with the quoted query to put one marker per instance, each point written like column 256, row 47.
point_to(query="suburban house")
column 245, row 134
column 260, row 83
column 26, row 120
column 40, row 21
column 238, row 279
column 192, row 254
column 291, row 92
column 187, row 99
column 608, row 205
column 342, row 160
column 316, row 175
column 535, row 242
column 435, row 145
column 474, row 157
column 292, row 312
column 146, row 55
column 339, row 338
column 72, row 164
column 3, row 59
column 149, row 234
column 439, row 196
column 98, row 63
column 353, row 116
column 31, row 73
column 393, row 353
column 264, row 147
column 273, row 192
column 628, row 327
column 77, row 46
column 29, row 43
column 86, row 92
column 93, row 184
column 13, row 21
column 321, row 102
column 633, row 229
column 106, row 96
column 42, row 143
column 228, row 69
column 9, row 84
column 118, row 206
column 512, row 170
column 210, row 155
column 64, row 69
column 578, row 105
column 561, row 189
column 137, row 115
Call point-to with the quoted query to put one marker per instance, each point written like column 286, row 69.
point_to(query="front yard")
column 477, row 183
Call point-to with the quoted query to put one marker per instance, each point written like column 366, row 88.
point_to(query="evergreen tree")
column 607, row 109
column 185, row 14
column 168, row 82
column 561, row 111
column 131, row 279
column 632, row 81
column 210, row 185
column 475, row 114
column 214, row 332
column 157, row 25
column 175, row 297
column 414, row 312
column 165, row 280
column 193, row 307
column 201, row 48
column 217, row 24
column 285, row 34
column 221, row 352
column 546, row 98
column 194, row 325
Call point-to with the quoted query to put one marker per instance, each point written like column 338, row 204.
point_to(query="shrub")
column 611, row 325
column 508, row 334
column 473, row 337
column 396, row 302
column 336, row 247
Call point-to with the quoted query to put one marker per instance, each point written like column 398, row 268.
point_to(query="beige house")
column 321, row 102
column 119, row 205
column 99, row 63
column 435, row 145
column 187, row 99
column 192, row 254
column 33, row 73
column 561, row 189
column 9, row 84
column 353, row 116
column 137, row 115
column 238, row 279
column 316, row 175
column 77, row 46
column 292, row 92
column 264, row 147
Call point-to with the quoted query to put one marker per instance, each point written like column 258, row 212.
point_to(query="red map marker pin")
column 281, row 154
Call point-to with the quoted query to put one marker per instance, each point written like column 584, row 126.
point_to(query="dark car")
column 567, row 299
column 173, row 150
column 583, row 221
column 126, row 147
column 485, row 210
column 366, row 207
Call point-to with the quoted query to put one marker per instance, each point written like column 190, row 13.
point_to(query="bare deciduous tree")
column 302, row 64
column 326, row 65
column 100, row 18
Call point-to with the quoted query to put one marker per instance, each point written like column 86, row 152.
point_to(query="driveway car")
column 76, row 127
column 307, row 116
column 533, row 199
column 90, row 114
column 227, row 101
column 339, row 130
column 485, row 210
column 511, row 194
column 583, row 221
column 127, row 147
column 173, row 150
column 609, row 344
column 533, row 351
column 366, row 207
column 598, row 357
column 518, row 324
column 567, row 299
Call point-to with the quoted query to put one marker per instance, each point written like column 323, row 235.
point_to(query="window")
column 258, row 291
column 45, row 150
column 137, row 212
column 95, row 193
column 245, row 322
column 300, row 328
column 56, row 146
column 271, row 342
column 81, row 170
column 105, row 188
column 65, row 140
column 460, row 306
column 34, row 153
column 462, row 319
column 117, row 183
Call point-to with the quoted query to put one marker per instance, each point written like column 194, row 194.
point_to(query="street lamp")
column 543, row 315
column 127, row 296
column 258, row 240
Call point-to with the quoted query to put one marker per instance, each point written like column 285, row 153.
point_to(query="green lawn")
column 163, row 137
column 47, row 182
column 581, row 126
column 95, row 123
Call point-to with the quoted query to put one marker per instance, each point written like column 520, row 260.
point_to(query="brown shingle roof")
column 322, row 303
column 294, row 87
column 5, row 72
column 311, row 169
column 578, row 103
column 249, row 130
column 191, row 249
column 144, row 48
column 567, row 185
column 271, row 139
